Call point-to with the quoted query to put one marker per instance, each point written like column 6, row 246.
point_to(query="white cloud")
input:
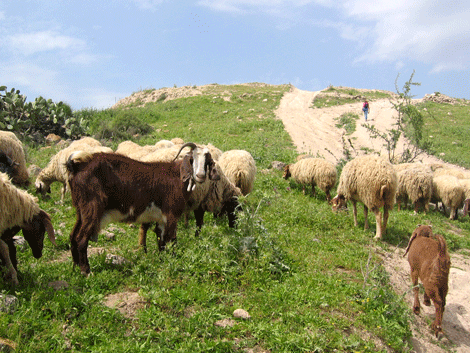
column 31, row 43
column 31, row 77
column 148, row 4
column 433, row 32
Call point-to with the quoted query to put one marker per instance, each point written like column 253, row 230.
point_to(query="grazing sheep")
column 132, row 150
column 371, row 180
column 56, row 170
column 447, row 189
column 6, row 165
column 313, row 171
column 414, row 184
column 13, row 148
column 164, row 144
column 240, row 168
column 20, row 211
column 430, row 262
column 108, row 187
column 177, row 141
column 458, row 173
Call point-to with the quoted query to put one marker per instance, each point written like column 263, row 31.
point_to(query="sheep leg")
column 5, row 257
column 199, row 215
column 378, row 221
column 385, row 219
column 354, row 212
column 366, row 218
column 143, row 235
column 328, row 196
column 313, row 189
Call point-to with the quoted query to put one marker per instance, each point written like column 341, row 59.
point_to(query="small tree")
column 409, row 123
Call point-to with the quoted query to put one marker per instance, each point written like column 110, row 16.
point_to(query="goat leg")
column 143, row 235
column 426, row 300
column 199, row 215
column 414, row 280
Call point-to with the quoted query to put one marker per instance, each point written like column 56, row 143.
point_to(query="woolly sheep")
column 466, row 187
column 240, row 168
column 131, row 150
column 415, row 184
column 373, row 181
column 20, row 211
column 13, row 148
column 55, row 169
column 177, row 141
column 458, row 173
column 448, row 190
column 313, row 171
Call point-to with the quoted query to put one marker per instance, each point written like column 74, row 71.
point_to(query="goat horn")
column 187, row 144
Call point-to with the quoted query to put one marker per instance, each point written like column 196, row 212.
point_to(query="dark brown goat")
column 108, row 187
column 430, row 262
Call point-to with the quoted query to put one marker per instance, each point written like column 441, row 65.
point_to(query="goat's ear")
column 186, row 168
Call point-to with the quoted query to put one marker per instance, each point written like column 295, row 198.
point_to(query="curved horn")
column 187, row 144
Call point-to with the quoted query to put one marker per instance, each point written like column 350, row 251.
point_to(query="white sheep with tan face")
column 373, row 181
column 55, row 170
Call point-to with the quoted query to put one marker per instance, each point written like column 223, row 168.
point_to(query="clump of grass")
column 347, row 121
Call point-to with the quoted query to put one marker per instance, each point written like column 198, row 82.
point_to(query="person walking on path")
column 365, row 109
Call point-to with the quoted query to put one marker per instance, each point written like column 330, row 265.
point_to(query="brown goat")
column 430, row 262
column 108, row 187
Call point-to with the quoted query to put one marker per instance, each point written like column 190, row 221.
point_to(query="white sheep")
column 131, row 150
column 373, row 181
column 13, row 148
column 313, row 171
column 448, row 190
column 239, row 167
column 20, row 211
column 415, row 184
column 458, row 173
column 55, row 169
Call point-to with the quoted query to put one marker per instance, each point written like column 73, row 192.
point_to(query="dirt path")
column 313, row 131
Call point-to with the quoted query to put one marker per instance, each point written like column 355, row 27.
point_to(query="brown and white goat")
column 430, row 262
column 109, row 187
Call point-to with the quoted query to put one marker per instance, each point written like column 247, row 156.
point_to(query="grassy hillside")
column 300, row 270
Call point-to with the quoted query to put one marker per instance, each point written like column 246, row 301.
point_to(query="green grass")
column 447, row 128
column 333, row 96
column 299, row 269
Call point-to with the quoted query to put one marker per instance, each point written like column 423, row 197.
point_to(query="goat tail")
column 442, row 246
column 76, row 159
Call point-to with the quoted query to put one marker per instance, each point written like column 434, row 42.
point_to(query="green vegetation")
column 333, row 96
column 310, row 280
column 447, row 130
column 40, row 117
column 348, row 122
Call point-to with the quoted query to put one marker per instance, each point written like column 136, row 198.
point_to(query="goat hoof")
column 416, row 310
column 427, row 302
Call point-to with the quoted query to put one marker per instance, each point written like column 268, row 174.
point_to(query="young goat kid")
column 109, row 188
column 430, row 262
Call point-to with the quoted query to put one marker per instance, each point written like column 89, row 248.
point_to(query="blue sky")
column 92, row 53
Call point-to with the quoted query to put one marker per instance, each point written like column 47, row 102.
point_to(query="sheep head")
column 287, row 173
column 34, row 231
column 338, row 203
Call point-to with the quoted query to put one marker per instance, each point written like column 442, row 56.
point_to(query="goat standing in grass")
column 109, row 187
column 430, row 262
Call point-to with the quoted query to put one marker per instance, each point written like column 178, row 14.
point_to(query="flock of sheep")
column 202, row 178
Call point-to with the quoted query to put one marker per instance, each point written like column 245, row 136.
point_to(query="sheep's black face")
column 286, row 174
column 34, row 232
